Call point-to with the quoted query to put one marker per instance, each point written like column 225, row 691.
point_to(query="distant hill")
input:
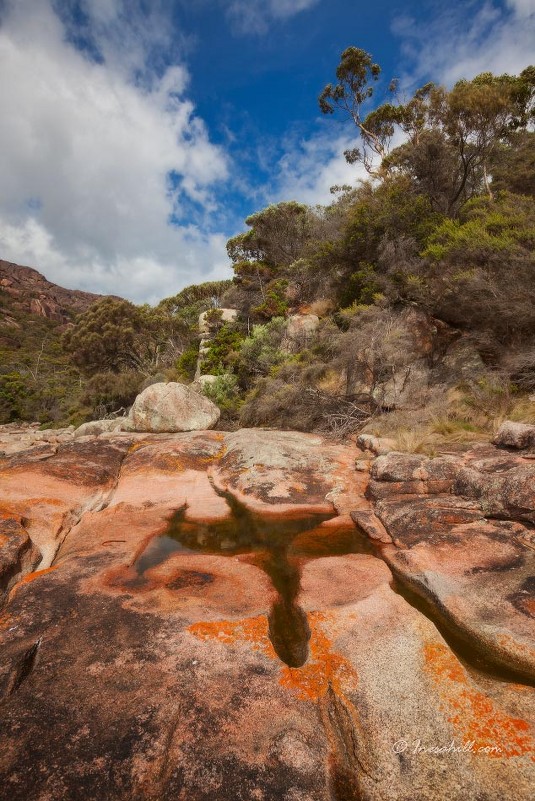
column 37, row 381
column 24, row 290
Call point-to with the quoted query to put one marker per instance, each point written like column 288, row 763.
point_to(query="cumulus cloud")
column 310, row 167
column 254, row 16
column 96, row 155
column 468, row 39
column 522, row 7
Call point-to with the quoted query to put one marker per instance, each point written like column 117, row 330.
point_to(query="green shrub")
column 187, row 363
column 225, row 393
column 274, row 302
column 13, row 396
column 260, row 352
column 223, row 350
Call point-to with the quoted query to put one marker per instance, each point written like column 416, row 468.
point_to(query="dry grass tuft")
column 321, row 308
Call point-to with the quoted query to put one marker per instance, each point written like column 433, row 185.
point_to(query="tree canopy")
column 451, row 137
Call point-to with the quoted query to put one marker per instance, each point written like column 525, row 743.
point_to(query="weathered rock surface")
column 287, row 471
column 172, row 407
column 17, row 437
column 377, row 445
column 463, row 540
column 515, row 435
column 18, row 554
column 207, row 622
column 97, row 427
column 430, row 354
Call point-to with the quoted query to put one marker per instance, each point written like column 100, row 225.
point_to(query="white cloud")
column 85, row 152
column 142, row 278
column 523, row 8
column 254, row 16
column 309, row 168
column 287, row 8
column 466, row 40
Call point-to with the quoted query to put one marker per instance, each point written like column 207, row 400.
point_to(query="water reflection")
column 279, row 545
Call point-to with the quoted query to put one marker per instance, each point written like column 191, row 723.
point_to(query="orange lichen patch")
column 8, row 514
column 3, row 540
column 173, row 462
column 44, row 501
column 35, row 575
column 528, row 606
column 137, row 445
column 476, row 715
column 324, row 668
column 252, row 630
column 29, row 578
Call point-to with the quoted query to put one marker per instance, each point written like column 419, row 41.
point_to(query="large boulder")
column 171, row 408
column 461, row 528
column 515, row 435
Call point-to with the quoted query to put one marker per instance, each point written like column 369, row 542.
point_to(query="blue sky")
column 138, row 134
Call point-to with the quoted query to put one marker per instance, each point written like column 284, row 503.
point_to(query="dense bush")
column 224, row 392
column 106, row 393
column 222, row 350
column 478, row 272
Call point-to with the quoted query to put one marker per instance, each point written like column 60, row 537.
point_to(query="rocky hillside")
column 37, row 380
column 25, row 291
column 408, row 302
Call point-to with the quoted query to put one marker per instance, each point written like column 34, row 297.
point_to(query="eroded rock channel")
column 246, row 616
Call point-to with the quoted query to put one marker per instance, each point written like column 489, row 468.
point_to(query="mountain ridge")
column 32, row 293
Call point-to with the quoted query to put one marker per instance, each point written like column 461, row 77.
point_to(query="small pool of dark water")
column 281, row 546
column 157, row 552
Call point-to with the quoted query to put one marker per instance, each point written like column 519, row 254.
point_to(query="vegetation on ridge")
column 443, row 231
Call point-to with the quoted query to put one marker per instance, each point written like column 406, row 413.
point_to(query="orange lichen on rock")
column 475, row 714
column 324, row 668
column 35, row 575
column 5, row 620
column 253, row 630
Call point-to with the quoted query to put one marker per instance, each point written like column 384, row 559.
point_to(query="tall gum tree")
column 451, row 136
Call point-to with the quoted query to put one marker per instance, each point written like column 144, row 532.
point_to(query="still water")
column 280, row 547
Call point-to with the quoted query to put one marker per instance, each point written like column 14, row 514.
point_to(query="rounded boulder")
column 170, row 408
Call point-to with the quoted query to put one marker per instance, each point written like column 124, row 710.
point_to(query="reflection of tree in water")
column 246, row 532
column 279, row 544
